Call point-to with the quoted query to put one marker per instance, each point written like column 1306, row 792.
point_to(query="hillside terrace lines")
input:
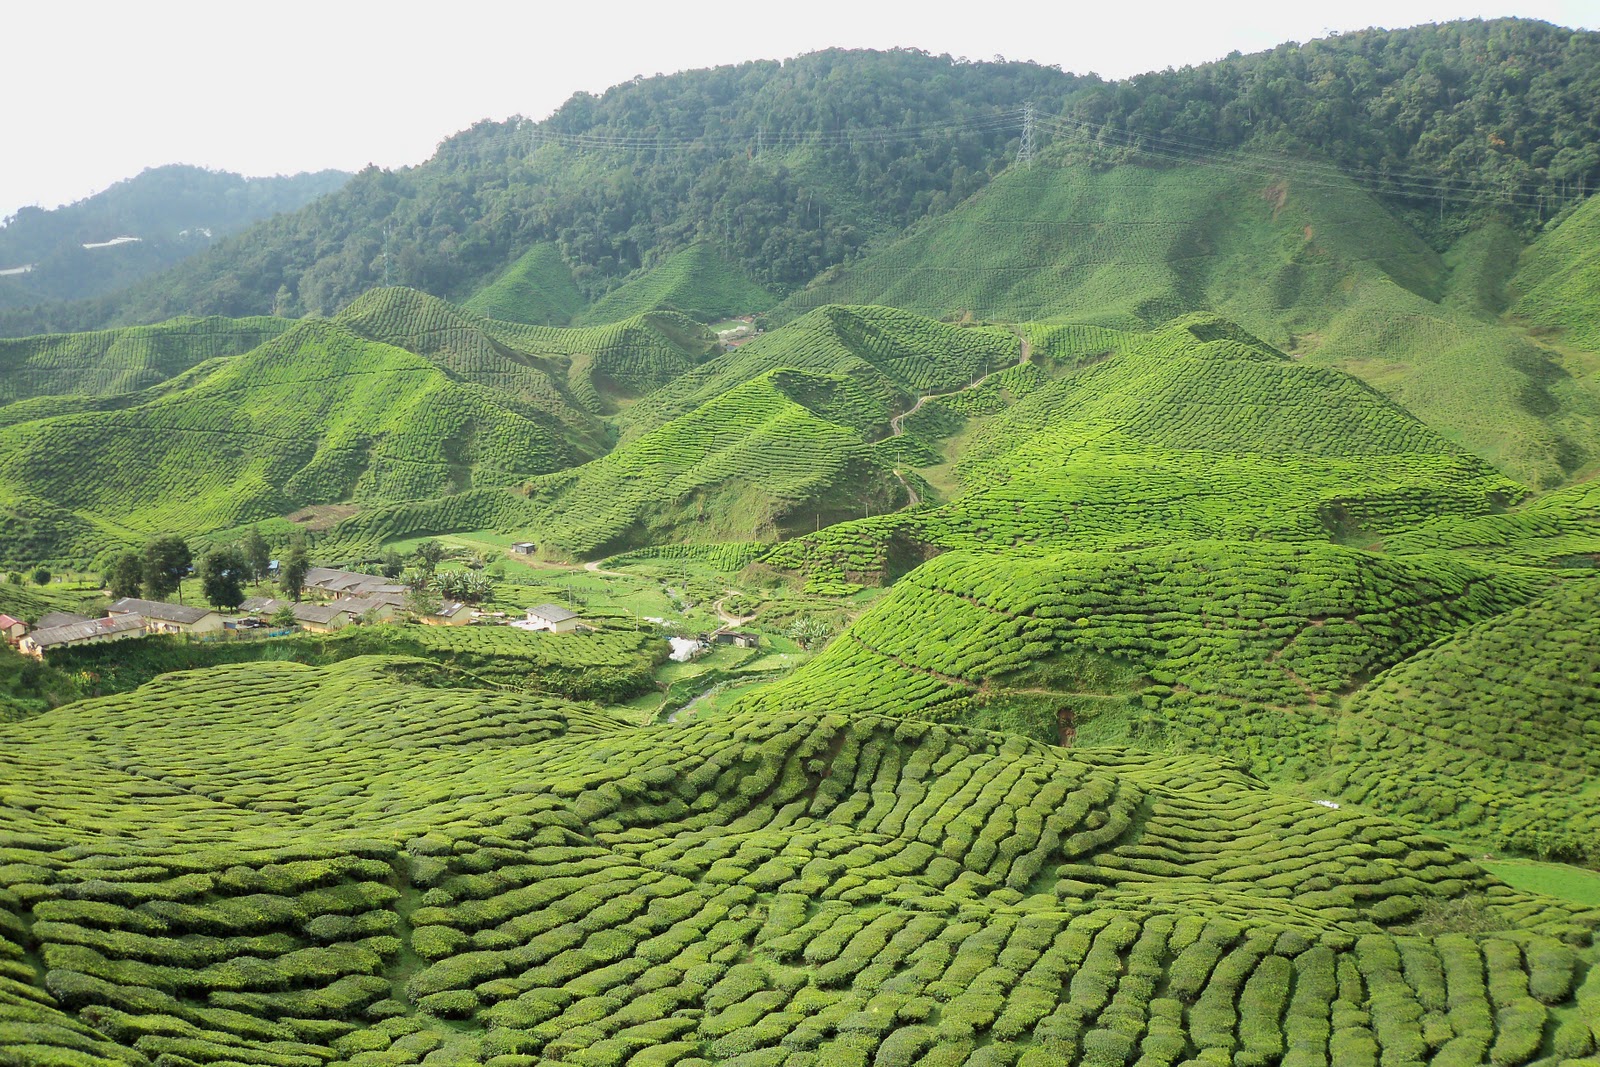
column 897, row 423
column 841, row 886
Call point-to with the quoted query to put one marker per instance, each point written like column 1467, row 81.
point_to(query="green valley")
column 872, row 559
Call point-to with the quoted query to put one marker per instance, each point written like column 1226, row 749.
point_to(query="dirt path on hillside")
column 897, row 423
column 731, row 620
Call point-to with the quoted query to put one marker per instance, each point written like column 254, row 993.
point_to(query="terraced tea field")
column 114, row 362
column 1196, row 431
column 1240, row 650
column 514, row 880
column 536, row 290
column 753, row 463
column 1317, row 267
column 1491, row 734
column 695, row 280
column 891, row 356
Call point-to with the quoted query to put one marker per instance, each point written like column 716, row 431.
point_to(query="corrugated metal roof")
column 82, row 631
column 552, row 613
column 182, row 614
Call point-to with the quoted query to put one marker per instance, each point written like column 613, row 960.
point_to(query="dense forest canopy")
column 791, row 168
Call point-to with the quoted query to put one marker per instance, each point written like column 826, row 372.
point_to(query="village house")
column 162, row 618
column 262, row 605
column 326, row 616
column 556, row 619
column 334, row 583
column 12, row 629
column 322, row 618
column 51, row 619
column 86, row 632
column 380, row 607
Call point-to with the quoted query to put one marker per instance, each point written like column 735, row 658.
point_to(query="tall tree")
column 166, row 561
column 223, row 572
column 392, row 563
column 126, row 576
column 257, row 553
column 292, row 572
column 429, row 553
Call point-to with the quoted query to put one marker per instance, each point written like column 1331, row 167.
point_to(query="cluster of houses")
column 341, row 598
column 128, row 617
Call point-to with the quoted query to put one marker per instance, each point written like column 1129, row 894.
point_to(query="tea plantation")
column 1491, row 733
column 280, row 864
column 755, row 462
column 537, row 289
column 696, row 281
column 112, row 362
column 1194, row 431
column 1237, row 649
column 1309, row 261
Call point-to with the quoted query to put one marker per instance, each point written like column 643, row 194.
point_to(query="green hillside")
column 591, row 368
column 890, row 355
column 1196, row 431
column 1235, row 649
column 1558, row 529
column 1316, row 267
column 1558, row 281
column 760, row 461
column 537, row 289
column 1130, row 604
column 339, row 863
column 317, row 415
column 111, row 362
column 696, row 281
column 1490, row 734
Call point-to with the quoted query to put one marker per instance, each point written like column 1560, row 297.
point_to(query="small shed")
column 524, row 548
column 12, row 629
column 552, row 617
column 450, row 613
column 740, row 638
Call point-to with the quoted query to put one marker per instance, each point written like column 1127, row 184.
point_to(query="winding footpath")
column 897, row 423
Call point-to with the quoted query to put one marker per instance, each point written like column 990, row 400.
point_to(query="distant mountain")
column 789, row 169
column 137, row 228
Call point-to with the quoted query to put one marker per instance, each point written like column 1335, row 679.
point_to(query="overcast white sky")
column 96, row 91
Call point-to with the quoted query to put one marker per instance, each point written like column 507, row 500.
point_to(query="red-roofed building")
column 12, row 629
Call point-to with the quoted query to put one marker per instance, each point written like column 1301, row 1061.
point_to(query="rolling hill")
column 1557, row 284
column 1195, row 431
column 1157, row 574
column 537, row 290
column 696, row 281
column 400, row 398
column 1489, row 733
column 1314, row 265
column 1238, row 650
column 111, row 362
column 757, row 462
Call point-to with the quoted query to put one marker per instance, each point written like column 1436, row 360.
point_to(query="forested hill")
column 791, row 168
column 174, row 211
